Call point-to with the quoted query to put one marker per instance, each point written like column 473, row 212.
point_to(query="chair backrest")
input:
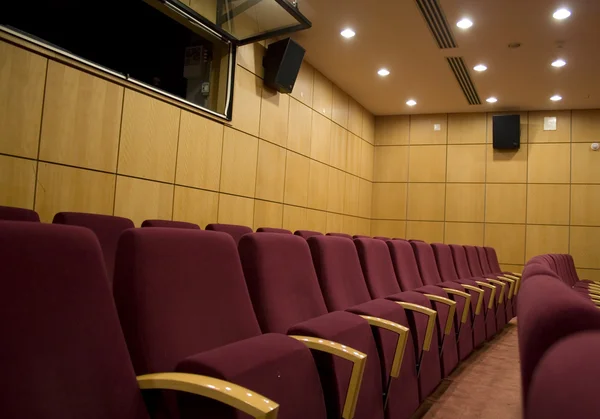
column 548, row 312
column 493, row 259
column 459, row 255
column 63, row 354
column 281, row 279
column 306, row 234
column 426, row 261
column 377, row 267
column 359, row 236
column 170, row 224
column 233, row 230
column 107, row 228
column 473, row 259
column 382, row 238
column 445, row 262
column 338, row 269
column 483, row 261
column 571, row 267
column 18, row 214
column 344, row 235
column 273, row 230
column 565, row 382
column 405, row 264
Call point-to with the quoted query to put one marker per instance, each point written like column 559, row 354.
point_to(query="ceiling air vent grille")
column 436, row 20
column 457, row 64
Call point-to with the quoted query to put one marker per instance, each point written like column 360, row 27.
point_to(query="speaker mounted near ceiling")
column 461, row 72
column 507, row 132
column 282, row 64
column 437, row 22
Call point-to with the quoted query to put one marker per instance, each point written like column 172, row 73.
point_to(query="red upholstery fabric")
column 181, row 295
column 170, row 224
column 565, row 382
column 460, row 261
column 306, row 234
column 273, row 230
column 234, row 231
column 474, row 263
column 62, row 354
column 487, row 270
column 18, row 214
column 358, row 236
column 493, row 259
column 107, row 228
column 344, row 235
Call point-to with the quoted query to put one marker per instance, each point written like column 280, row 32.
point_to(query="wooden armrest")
column 512, row 285
column 500, row 283
column 467, row 297
column 231, row 394
column 493, row 290
column 401, row 331
column 430, row 323
column 452, row 309
column 358, row 358
column 479, row 298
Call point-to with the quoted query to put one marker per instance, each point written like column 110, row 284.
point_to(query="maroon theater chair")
column 18, row 214
column 107, row 228
column 64, row 356
column 170, row 224
column 358, row 236
column 343, row 287
column 286, row 297
column 565, row 269
column 344, row 235
column 306, row 234
column 512, row 281
column 379, row 275
column 495, row 265
column 233, row 230
column 273, row 230
column 188, row 310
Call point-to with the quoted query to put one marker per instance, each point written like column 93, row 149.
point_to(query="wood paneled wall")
column 72, row 141
column 438, row 178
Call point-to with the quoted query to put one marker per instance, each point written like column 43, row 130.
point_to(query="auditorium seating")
column 63, row 354
column 170, row 224
column 273, row 230
column 344, row 235
column 513, row 281
column 306, row 234
column 18, row 214
column 235, row 231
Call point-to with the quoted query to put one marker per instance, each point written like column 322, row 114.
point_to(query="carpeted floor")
column 487, row 385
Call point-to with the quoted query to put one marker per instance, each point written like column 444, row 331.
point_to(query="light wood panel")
column 388, row 228
column 337, row 189
column 339, row 145
column 584, row 245
column 467, row 128
column 585, row 205
column 353, row 159
column 62, row 188
column 294, row 218
column 363, row 226
column 427, row 164
column 141, row 200
column 22, row 79
column 506, row 203
column 506, row 166
column 247, row 100
column 300, row 128
column 318, row 181
column 589, row 274
column 238, row 168
column 546, row 239
column 586, row 125
column 323, row 95
column 270, row 174
column 296, row 179
column 250, row 56
column 274, row 114
column 549, row 163
column 431, row 232
column 316, row 221
column 465, row 202
column 267, row 214
column 341, row 107
column 423, row 129
column 562, row 134
column 368, row 132
column 303, row 89
column 355, row 118
column 235, row 210
column 17, row 182
column 511, row 268
column 464, row 233
column 366, row 164
column 195, row 206
column 350, row 225
column 199, row 152
column 148, row 138
column 426, row 201
column 351, row 195
column 365, row 198
column 585, row 164
column 466, row 163
column 392, row 130
column 82, row 119
column 335, row 223
column 508, row 240
column 389, row 201
column 548, row 204
column 390, row 164
column 320, row 138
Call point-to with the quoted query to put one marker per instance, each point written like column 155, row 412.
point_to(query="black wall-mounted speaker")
column 282, row 65
column 507, row 132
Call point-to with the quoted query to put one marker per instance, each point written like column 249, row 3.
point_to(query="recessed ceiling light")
column 384, row 72
column 348, row 33
column 561, row 14
column 411, row 102
column 491, row 100
column 556, row 98
column 464, row 23
column 480, row 67
column 559, row 63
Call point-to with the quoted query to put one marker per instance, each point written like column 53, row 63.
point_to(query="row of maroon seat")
column 559, row 340
column 165, row 277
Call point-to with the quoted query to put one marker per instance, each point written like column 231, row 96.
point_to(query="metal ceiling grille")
column 436, row 20
column 458, row 67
